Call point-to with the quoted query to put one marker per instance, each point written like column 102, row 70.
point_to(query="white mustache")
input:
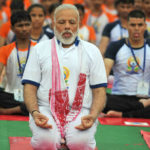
column 67, row 32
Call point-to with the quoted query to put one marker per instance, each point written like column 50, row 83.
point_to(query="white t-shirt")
column 127, row 74
column 39, row 67
column 98, row 23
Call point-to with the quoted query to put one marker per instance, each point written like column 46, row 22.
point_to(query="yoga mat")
column 125, row 122
column 146, row 136
column 14, row 117
column 20, row 143
column 108, row 137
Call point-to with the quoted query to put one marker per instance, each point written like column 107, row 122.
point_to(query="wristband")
column 34, row 111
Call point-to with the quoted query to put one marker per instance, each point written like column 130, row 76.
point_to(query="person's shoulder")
column 8, row 46
column 113, row 48
column 119, row 42
column 148, row 42
column 88, row 45
column 112, row 24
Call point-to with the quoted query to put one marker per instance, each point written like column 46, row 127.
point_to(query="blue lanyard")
column 21, row 69
column 143, row 69
column 38, row 40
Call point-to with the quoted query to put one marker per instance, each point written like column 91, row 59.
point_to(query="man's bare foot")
column 145, row 102
column 113, row 113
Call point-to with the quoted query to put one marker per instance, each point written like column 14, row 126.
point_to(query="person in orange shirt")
column 4, row 13
column 86, row 32
column 46, row 4
column 14, row 57
column 109, row 8
column 97, row 18
column 6, row 34
column 27, row 3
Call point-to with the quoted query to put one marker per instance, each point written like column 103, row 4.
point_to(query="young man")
column 118, row 29
column 86, row 32
column 6, row 34
column 97, row 18
column 130, row 61
column 64, row 86
column 14, row 57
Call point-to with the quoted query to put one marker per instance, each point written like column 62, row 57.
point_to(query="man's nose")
column 67, row 25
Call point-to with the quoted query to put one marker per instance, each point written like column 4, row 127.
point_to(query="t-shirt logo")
column 66, row 75
column 132, row 66
column 22, row 63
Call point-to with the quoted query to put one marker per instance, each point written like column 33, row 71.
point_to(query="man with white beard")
column 64, row 87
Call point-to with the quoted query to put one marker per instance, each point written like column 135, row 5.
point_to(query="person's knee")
column 44, row 141
column 80, row 141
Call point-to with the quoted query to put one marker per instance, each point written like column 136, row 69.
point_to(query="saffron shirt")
column 87, row 33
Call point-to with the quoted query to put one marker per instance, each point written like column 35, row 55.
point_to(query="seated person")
column 130, row 61
column 86, row 32
column 64, row 87
column 38, row 13
column 14, row 57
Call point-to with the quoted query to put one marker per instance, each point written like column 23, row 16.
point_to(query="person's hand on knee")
column 86, row 122
column 41, row 120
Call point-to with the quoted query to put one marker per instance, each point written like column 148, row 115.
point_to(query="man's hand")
column 86, row 122
column 41, row 120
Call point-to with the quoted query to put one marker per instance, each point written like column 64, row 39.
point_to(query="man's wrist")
column 32, row 112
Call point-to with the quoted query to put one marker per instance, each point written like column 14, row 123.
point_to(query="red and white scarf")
column 58, row 94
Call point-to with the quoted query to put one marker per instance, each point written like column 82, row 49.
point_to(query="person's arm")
column 103, row 44
column 98, row 102
column 2, row 41
column 30, row 99
column 1, row 68
column 108, row 65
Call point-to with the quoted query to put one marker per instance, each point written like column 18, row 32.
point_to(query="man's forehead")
column 65, row 13
column 136, row 20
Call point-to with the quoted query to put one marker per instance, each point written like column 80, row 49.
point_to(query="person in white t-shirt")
column 64, row 87
column 130, row 61
column 14, row 57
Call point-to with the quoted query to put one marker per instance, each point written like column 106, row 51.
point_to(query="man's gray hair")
column 64, row 7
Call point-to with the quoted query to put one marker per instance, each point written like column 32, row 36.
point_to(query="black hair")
column 52, row 7
column 136, row 14
column 20, row 15
column 17, row 5
column 80, row 7
column 36, row 6
column 124, row 2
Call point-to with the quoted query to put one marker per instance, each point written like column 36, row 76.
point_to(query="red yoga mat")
column 20, row 143
column 146, row 136
column 125, row 121
column 14, row 118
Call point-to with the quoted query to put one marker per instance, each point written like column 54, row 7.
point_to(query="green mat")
column 107, row 137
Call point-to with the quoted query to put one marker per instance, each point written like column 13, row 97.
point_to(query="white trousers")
column 49, row 139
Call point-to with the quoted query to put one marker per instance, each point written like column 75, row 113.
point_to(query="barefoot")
column 112, row 113
column 145, row 102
